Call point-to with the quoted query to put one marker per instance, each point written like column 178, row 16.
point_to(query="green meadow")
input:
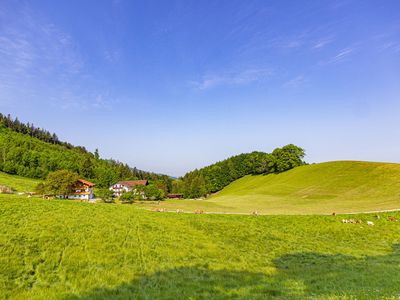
column 57, row 249
column 60, row 249
column 340, row 186
column 18, row 183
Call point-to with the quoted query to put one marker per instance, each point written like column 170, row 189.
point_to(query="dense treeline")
column 33, row 131
column 213, row 178
column 25, row 155
column 33, row 152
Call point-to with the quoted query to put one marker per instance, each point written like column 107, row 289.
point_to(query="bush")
column 105, row 194
column 128, row 197
column 153, row 193
column 60, row 182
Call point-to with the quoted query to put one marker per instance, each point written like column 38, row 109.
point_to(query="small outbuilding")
column 175, row 196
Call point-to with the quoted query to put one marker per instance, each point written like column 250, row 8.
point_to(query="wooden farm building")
column 175, row 196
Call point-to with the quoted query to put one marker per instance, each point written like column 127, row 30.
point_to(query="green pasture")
column 61, row 249
column 18, row 183
column 341, row 187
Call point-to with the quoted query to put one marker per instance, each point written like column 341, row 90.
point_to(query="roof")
column 176, row 195
column 131, row 183
column 88, row 183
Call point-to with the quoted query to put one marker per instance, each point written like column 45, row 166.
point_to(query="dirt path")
column 371, row 212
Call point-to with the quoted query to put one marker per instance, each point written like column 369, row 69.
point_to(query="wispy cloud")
column 391, row 46
column 41, row 62
column 343, row 55
column 29, row 44
column 232, row 78
column 296, row 82
column 112, row 55
column 68, row 100
column 322, row 43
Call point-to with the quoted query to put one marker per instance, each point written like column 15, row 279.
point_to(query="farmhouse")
column 82, row 190
column 126, row 186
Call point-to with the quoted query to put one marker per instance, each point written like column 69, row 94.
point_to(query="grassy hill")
column 69, row 250
column 18, row 183
column 340, row 186
column 27, row 156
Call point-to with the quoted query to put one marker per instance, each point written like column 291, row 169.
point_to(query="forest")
column 213, row 178
column 29, row 151
column 32, row 152
column 33, row 131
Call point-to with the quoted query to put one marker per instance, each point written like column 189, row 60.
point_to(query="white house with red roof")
column 82, row 190
column 126, row 186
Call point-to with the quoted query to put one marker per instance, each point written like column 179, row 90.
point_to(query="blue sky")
column 169, row 86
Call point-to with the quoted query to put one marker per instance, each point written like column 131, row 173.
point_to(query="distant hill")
column 340, row 186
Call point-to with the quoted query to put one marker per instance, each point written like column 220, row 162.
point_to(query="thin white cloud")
column 391, row 46
column 28, row 44
column 103, row 102
column 296, row 82
column 86, row 101
column 112, row 55
column 341, row 56
column 322, row 43
column 232, row 78
column 288, row 42
column 41, row 63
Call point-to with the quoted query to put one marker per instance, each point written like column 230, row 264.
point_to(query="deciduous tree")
column 61, row 182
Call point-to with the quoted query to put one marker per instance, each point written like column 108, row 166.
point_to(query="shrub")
column 105, row 194
column 128, row 197
column 153, row 193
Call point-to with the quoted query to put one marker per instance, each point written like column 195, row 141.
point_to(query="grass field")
column 342, row 187
column 19, row 184
column 62, row 249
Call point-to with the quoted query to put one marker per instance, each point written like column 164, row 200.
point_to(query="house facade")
column 82, row 190
column 126, row 186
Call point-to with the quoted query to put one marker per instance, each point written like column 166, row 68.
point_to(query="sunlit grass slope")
column 62, row 249
column 18, row 183
column 340, row 186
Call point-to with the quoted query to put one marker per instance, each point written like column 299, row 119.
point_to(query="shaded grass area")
column 69, row 250
column 341, row 187
column 18, row 183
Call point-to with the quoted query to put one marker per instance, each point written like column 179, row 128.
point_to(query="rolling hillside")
column 34, row 153
column 18, row 183
column 341, row 186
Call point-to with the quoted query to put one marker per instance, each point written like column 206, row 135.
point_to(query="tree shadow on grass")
column 186, row 283
column 368, row 277
column 299, row 276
